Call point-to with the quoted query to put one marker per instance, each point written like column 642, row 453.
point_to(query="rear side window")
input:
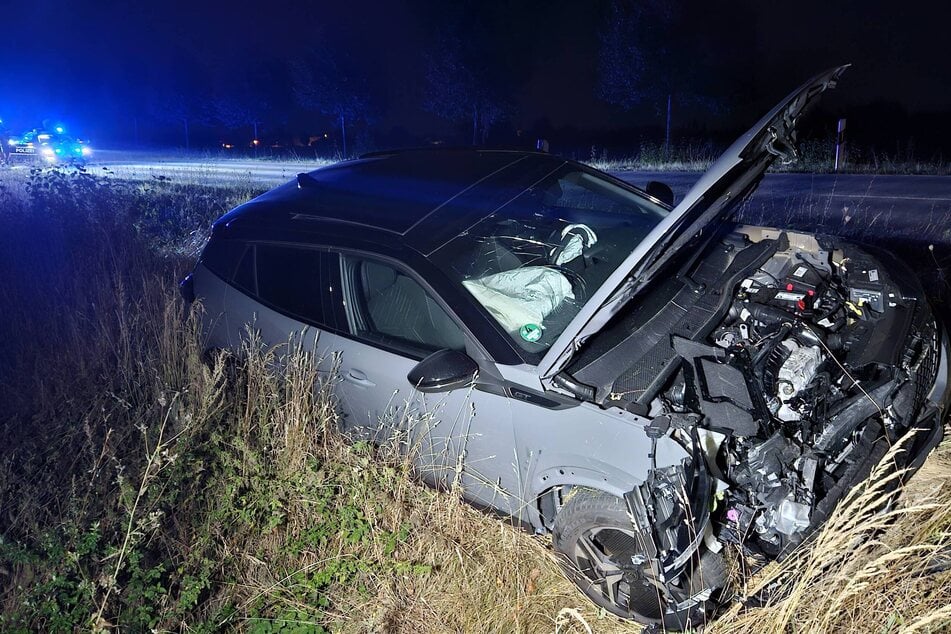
column 244, row 275
column 222, row 256
column 289, row 279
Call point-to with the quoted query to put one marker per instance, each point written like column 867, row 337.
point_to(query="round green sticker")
column 530, row 332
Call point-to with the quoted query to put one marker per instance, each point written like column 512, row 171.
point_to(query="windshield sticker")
column 530, row 332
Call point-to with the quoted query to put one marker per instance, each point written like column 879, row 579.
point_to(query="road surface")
column 842, row 187
column 913, row 208
column 916, row 208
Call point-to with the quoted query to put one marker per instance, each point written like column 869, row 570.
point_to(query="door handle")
column 358, row 377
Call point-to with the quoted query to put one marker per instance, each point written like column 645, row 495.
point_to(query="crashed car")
column 647, row 383
column 48, row 147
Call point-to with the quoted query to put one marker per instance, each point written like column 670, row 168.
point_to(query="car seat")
column 399, row 307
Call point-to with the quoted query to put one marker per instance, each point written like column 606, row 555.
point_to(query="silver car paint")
column 508, row 452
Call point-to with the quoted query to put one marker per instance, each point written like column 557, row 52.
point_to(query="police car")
column 47, row 147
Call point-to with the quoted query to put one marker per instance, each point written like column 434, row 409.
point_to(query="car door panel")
column 216, row 322
column 462, row 437
column 251, row 313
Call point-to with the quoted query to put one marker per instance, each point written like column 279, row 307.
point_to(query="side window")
column 288, row 278
column 221, row 256
column 388, row 307
column 244, row 275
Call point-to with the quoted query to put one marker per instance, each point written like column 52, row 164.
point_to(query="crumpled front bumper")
column 672, row 511
column 940, row 394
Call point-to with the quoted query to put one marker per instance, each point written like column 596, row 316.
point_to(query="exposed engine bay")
column 792, row 360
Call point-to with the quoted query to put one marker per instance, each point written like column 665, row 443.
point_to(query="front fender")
column 613, row 467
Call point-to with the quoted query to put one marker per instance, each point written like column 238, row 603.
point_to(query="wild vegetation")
column 817, row 157
column 147, row 486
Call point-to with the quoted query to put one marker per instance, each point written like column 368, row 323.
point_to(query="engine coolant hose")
column 849, row 417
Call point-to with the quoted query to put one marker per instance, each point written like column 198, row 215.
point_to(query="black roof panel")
column 397, row 192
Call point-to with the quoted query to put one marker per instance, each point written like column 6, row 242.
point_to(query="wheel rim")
column 603, row 558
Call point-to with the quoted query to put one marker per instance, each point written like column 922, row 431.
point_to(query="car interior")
column 396, row 307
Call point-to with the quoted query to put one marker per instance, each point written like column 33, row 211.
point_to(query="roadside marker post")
column 840, row 150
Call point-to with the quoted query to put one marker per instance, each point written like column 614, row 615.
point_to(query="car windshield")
column 534, row 261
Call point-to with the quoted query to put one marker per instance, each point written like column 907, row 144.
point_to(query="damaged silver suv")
column 647, row 383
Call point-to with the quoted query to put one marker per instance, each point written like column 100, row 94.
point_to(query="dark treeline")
column 342, row 78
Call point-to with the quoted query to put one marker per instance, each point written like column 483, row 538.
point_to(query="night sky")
column 102, row 65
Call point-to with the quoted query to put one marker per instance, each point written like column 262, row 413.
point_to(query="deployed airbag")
column 523, row 296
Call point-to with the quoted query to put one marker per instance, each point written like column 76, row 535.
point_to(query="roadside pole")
column 667, row 133
column 840, row 150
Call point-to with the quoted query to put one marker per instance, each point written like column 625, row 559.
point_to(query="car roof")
column 419, row 197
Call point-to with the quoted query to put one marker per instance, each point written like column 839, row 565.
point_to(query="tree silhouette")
column 647, row 58
column 459, row 90
column 179, row 96
column 332, row 84
column 243, row 98
column 178, row 108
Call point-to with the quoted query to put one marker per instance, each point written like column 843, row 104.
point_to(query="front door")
column 463, row 437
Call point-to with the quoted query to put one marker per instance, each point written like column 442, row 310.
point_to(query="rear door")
column 462, row 437
column 277, row 294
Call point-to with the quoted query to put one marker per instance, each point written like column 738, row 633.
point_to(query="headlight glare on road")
column 87, row 151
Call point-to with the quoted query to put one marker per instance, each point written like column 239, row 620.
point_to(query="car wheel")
column 602, row 554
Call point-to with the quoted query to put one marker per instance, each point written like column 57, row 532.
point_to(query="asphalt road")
column 912, row 212
column 205, row 171
column 914, row 208
column 837, row 190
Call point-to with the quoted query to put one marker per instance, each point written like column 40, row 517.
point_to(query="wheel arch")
column 573, row 472
column 611, row 469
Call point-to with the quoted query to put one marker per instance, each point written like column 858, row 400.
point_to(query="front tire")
column 603, row 555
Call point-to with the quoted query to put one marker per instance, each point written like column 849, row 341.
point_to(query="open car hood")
column 711, row 200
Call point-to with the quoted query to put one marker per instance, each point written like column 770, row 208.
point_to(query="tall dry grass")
column 817, row 156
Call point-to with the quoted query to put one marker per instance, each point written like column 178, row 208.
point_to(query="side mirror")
column 661, row 191
column 442, row 371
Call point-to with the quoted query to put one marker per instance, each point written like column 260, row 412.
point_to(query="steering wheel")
column 568, row 236
column 579, row 287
